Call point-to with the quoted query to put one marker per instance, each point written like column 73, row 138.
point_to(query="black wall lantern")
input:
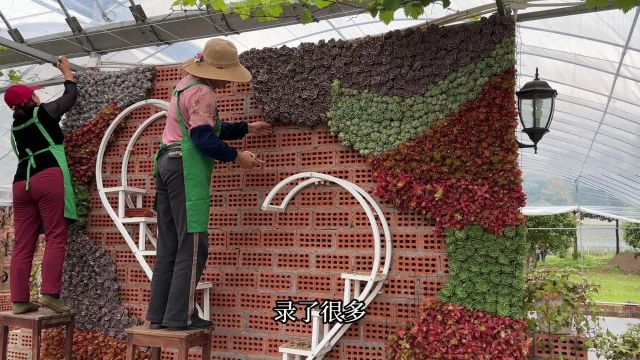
column 536, row 101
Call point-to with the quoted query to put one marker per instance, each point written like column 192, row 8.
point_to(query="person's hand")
column 247, row 160
column 260, row 128
column 65, row 67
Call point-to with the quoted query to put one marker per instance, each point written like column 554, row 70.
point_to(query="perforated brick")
column 225, row 181
column 293, row 219
column 262, row 142
column 256, row 301
column 247, row 344
column 229, row 90
column 258, row 219
column 224, row 259
column 334, row 263
column 263, row 323
column 413, row 220
column 364, row 263
column 318, row 158
column 381, row 309
column 297, row 328
column 376, row 331
column 444, row 264
column 325, row 137
column 244, row 88
column 239, row 280
column 222, row 220
column 363, row 177
column 349, row 157
column 278, row 238
column 243, row 239
column 417, row 264
column 354, row 240
column 217, row 239
column 297, row 139
column 293, row 261
column 430, row 286
column 316, row 283
column 231, row 104
column 129, row 294
column 220, row 299
column 407, row 310
column 316, row 198
column 252, row 260
column 170, row 74
column 331, row 219
column 556, row 346
column 226, row 320
column 279, row 160
column 137, row 276
column 316, row 240
column 434, row 242
column 360, row 352
column 219, row 342
column 404, row 286
column 276, row 281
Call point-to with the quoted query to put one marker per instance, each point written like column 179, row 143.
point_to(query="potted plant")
column 618, row 347
column 562, row 302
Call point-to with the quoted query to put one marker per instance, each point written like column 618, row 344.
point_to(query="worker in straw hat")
column 192, row 140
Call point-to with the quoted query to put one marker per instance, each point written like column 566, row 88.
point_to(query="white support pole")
column 121, row 204
column 356, row 289
column 347, row 291
column 141, row 235
column 315, row 332
column 207, row 303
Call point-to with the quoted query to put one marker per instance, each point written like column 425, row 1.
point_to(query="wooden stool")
column 157, row 339
column 36, row 321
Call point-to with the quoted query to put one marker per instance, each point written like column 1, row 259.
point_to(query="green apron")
column 197, row 169
column 58, row 152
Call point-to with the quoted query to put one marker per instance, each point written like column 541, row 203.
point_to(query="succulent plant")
column 90, row 288
column 293, row 84
column 96, row 89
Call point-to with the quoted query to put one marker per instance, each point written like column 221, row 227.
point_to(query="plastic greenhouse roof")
column 592, row 60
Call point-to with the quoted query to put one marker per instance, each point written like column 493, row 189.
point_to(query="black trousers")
column 181, row 256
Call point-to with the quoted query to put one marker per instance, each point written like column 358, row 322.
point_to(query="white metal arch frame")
column 125, row 192
column 374, row 281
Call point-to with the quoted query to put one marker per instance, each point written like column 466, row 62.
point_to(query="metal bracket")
column 219, row 21
column 138, row 13
column 525, row 146
column 81, row 37
column 16, row 36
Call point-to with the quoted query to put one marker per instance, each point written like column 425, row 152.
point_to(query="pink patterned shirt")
column 198, row 105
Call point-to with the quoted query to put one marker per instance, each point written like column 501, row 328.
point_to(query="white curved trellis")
column 323, row 339
column 125, row 193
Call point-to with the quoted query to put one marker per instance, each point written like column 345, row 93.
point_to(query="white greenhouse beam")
column 176, row 27
column 32, row 53
column 560, row 12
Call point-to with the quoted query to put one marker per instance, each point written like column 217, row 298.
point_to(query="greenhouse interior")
column 320, row 179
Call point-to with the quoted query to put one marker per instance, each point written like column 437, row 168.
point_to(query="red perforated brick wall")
column 257, row 257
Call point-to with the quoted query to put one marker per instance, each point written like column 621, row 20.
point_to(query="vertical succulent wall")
column 433, row 109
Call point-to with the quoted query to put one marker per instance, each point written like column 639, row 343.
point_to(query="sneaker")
column 54, row 304
column 23, row 308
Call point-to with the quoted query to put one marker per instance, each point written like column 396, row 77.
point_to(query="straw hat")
column 219, row 61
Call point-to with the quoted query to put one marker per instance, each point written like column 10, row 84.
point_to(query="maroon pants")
column 40, row 206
